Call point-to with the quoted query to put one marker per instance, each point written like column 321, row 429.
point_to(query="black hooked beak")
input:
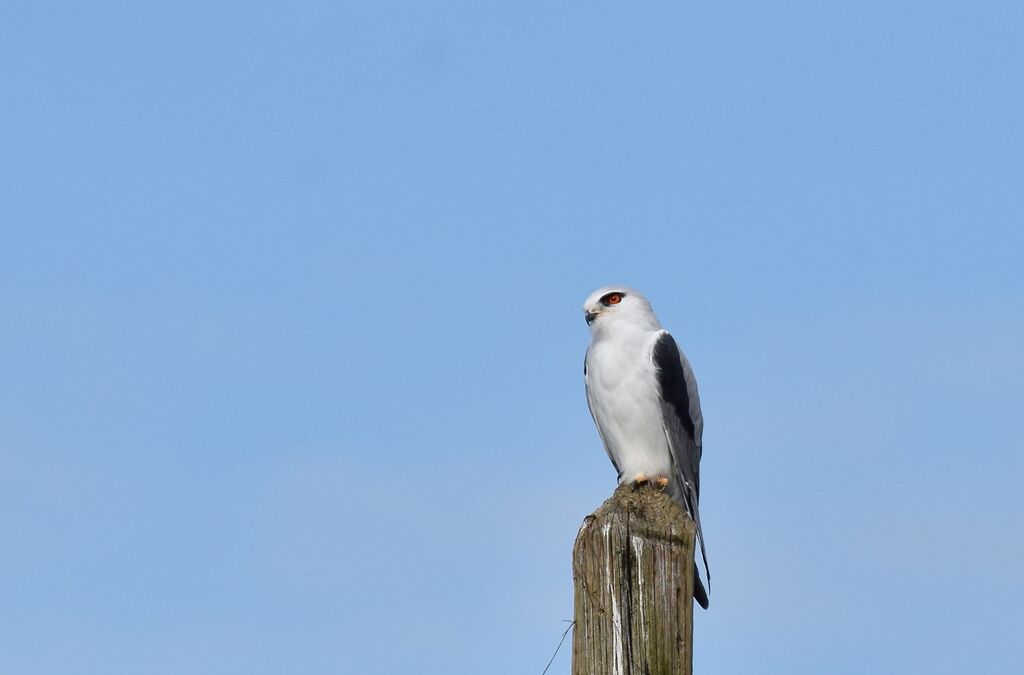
column 590, row 316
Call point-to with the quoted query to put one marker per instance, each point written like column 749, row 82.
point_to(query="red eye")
column 613, row 299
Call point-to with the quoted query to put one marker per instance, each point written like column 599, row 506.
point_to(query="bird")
column 643, row 397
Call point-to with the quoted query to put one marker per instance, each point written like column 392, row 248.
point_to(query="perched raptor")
column 643, row 396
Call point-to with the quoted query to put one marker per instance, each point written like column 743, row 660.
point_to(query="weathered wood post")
column 633, row 578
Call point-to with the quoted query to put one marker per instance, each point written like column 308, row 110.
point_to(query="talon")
column 640, row 480
column 661, row 482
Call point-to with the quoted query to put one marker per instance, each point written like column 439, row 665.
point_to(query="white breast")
column 622, row 389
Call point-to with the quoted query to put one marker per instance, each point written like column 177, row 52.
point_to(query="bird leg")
column 640, row 480
column 661, row 482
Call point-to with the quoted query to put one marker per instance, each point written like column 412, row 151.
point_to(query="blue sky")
column 291, row 341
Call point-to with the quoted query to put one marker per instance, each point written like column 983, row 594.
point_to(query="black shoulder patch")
column 672, row 380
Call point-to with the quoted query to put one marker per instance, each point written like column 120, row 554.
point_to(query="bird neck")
column 625, row 331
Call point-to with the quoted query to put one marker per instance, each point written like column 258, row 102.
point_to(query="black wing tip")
column 699, row 594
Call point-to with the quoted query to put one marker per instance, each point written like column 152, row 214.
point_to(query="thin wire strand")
column 552, row 660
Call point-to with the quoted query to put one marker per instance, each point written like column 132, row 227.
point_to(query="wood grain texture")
column 633, row 578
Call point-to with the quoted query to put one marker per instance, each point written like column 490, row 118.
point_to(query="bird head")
column 617, row 305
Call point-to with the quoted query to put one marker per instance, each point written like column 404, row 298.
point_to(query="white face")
column 607, row 305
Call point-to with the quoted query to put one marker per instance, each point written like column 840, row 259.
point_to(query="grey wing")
column 684, row 426
column 590, row 406
column 696, row 417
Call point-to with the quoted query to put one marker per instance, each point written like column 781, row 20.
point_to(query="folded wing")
column 683, row 424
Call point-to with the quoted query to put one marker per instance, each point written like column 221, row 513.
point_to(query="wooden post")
column 633, row 578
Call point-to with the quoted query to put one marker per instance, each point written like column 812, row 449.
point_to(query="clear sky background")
column 291, row 336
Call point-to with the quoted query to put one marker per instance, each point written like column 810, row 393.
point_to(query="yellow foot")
column 661, row 482
column 639, row 480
